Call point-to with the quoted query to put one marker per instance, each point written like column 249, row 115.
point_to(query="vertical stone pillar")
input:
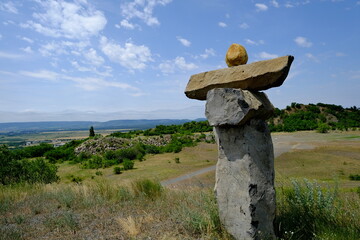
column 245, row 170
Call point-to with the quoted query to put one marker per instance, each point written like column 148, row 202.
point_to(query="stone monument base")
column 245, row 180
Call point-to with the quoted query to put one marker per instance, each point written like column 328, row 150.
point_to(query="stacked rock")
column 236, row 109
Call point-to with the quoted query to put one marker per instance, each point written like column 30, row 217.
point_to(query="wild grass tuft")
column 308, row 211
column 199, row 214
column 148, row 188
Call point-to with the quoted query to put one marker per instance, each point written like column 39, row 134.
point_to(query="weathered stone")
column 236, row 55
column 255, row 76
column 229, row 106
column 245, row 180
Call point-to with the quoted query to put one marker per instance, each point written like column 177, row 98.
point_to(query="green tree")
column 92, row 132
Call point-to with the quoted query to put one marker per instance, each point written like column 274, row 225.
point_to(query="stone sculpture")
column 236, row 109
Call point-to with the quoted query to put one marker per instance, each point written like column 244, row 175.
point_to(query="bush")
column 94, row 162
column 128, row 164
column 37, row 151
column 13, row 170
column 117, row 170
column 307, row 211
column 147, row 188
column 77, row 180
column 323, row 128
column 354, row 177
column 177, row 160
column 40, row 171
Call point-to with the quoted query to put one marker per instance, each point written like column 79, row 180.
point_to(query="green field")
column 51, row 136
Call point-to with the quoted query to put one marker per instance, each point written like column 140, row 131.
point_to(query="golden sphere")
column 236, row 55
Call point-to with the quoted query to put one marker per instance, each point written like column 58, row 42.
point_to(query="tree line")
column 321, row 117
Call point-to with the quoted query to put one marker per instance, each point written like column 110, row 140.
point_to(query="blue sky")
column 137, row 55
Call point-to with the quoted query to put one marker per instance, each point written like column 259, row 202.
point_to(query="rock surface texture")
column 229, row 106
column 254, row 76
column 245, row 169
column 236, row 55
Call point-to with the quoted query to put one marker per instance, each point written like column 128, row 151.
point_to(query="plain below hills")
column 140, row 124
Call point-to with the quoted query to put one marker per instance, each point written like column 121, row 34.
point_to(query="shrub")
column 77, row 180
column 354, row 177
column 128, row 164
column 117, row 170
column 110, row 155
column 323, row 128
column 60, row 154
column 177, row 160
column 306, row 211
column 13, row 170
column 37, row 151
column 40, row 171
column 94, row 162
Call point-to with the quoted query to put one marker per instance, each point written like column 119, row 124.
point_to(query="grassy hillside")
column 321, row 117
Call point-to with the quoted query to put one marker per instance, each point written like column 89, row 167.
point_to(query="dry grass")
column 333, row 162
column 106, row 211
column 129, row 225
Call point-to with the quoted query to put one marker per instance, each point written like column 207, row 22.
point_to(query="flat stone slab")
column 255, row 76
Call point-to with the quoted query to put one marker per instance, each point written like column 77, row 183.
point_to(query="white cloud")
column 86, row 83
column 92, row 56
column 178, row 63
column 55, row 48
column 251, row 42
column 27, row 40
column 126, row 24
column 184, row 41
column 52, row 48
column 43, row 74
column 312, row 57
column 0, row 36
column 302, row 42
column 261, row 7
column 183, row 65
column 275, row 3
column 289, row 5
column 93, row 83
column 8, row 7
column 27, row 49
column 10, row 55
column 222, row 24
column 244, row 26
column 265, row 55
column 340, row 54
column 8, row 22
column 64, row 19
column 208, row 52
column 130, row 56
column 142, row 9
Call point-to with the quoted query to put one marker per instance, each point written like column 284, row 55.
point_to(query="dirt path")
column 283, row 142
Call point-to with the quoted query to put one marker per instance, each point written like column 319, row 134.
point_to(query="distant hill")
column 24, row 127
column 322, row 117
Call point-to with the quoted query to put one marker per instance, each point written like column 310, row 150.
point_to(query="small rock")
column 236, row 55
